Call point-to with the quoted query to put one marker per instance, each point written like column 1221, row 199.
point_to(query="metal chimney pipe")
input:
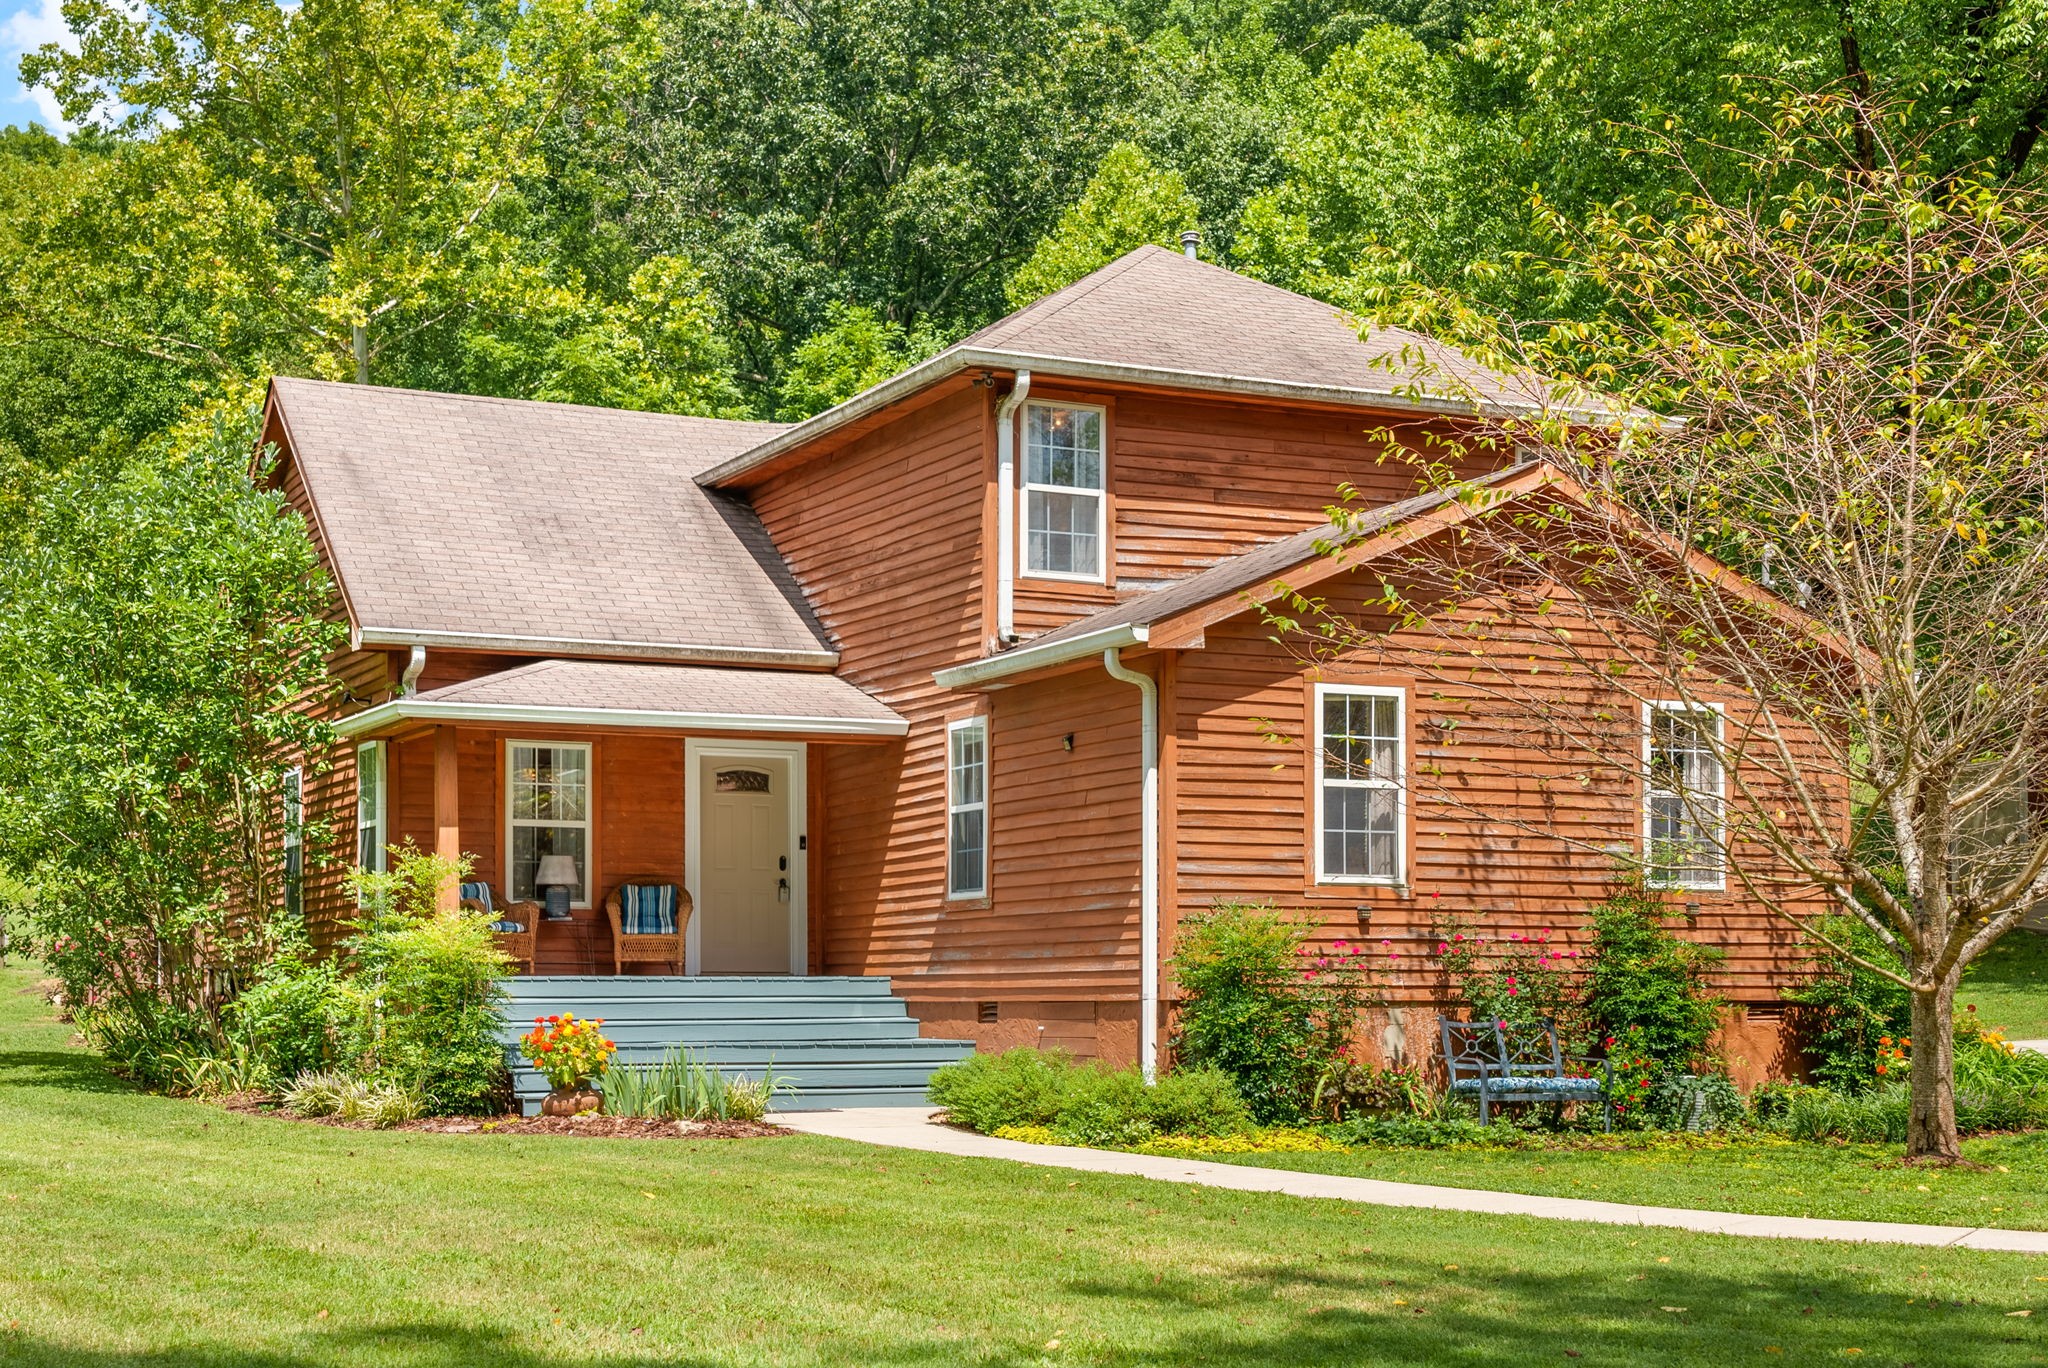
column 1191, row 245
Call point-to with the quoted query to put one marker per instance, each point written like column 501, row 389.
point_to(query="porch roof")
column 604, row 693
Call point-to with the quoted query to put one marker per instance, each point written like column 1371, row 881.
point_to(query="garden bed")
column 589, row 1126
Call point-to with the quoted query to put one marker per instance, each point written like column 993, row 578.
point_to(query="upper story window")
column 1359, row 763
column 967, row 808
column 1683, row 793
column 1064, row 507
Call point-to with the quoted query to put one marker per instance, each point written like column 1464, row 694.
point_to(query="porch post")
column 447, row 811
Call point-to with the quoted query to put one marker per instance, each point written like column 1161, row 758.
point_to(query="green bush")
column 1845, row 1011
column 1416, row 1132
column 1086, row 1103
column 1262, row 1005
column 1643, row 980
column 285, row 1019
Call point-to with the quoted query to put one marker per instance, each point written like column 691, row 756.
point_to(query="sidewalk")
column 911, row 1128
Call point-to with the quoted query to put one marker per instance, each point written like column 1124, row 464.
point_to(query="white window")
column 370, row 840
column 967, row 808
column 1359, row 766
column 547, row 798
column 295, row 841
column 1063, row 500
column 1683, row 793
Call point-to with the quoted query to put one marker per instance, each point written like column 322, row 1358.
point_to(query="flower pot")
column 569, row 1101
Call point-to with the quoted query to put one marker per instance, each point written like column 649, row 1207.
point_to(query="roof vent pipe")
column 1191, row 245
column 1006, row 508
column 1148, row 857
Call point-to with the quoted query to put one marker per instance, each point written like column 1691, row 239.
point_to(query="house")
column 960, row 684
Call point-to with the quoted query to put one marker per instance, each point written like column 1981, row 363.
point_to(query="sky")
column 24, row 26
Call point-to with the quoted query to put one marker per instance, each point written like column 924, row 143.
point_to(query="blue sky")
column 24, row 26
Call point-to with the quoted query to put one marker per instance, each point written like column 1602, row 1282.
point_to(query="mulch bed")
column 588, row 1126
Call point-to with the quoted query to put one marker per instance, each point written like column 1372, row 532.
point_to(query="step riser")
column 549, row 986
column 695, row 1034
column 726, row 1009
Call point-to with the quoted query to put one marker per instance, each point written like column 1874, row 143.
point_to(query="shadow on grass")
column 76, row 1070
column 1292, row 1313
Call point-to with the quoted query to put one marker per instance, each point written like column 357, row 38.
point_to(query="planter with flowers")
column 569, row 1053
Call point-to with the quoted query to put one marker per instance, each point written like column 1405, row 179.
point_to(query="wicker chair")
column 639, row 949
column 518, row 946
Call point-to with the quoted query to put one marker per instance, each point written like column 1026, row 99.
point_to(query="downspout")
column 1148, row 847
column 1006, row 508
column 409, row 683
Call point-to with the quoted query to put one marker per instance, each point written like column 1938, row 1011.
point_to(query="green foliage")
column 679, row 1086
column 1261, row 1004
column 1423, row 1132
column 284, row 1018
column 1644, row 980
column 1127, row 204
column 1522, row 982
column 855, row 349
column 1086, row 1103
column 354, row 1099
column 1845, row 1010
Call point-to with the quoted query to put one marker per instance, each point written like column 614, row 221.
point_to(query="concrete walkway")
column 911, row 1128
column 2037, row 1046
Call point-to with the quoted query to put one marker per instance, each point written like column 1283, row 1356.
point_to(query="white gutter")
column 577, row 646
column 1148, row 855
column 978, row 672
column 1006, row 508
column 535, row 715
column 951, row 362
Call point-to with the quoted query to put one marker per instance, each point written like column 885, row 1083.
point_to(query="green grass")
column 1763, row 1176
column 2009, row 985
column 143, row 1232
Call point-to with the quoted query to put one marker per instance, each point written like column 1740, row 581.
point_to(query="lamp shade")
column 557, row 871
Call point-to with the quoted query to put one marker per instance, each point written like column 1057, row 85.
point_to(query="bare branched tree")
column 1788, row 582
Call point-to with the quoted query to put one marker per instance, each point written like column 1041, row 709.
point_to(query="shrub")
column 1522, row 981
column 1845, row 1010
column 1643, row 980
column 680, row 1087
column 1347, row 1089
column 1086, row 1104
column 354, row 1099
column 1415, row 1132
column 1696, row 1102
column 285, row 1018
column 1264, row 1006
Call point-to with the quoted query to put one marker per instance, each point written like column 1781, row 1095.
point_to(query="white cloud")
column 25, row 30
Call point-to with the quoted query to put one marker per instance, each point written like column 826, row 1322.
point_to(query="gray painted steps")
column 842, row 1041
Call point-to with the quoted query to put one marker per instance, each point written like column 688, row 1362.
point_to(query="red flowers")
column 569, row 1052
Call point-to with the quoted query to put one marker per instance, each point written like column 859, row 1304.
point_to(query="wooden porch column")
column 447, row 811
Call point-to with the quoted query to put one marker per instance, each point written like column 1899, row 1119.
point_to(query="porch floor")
column 842, row 1041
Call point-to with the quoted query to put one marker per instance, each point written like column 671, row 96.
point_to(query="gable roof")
column 1156, row 317
column 547, row 528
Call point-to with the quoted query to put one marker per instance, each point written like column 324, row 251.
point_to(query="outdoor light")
column 556, row 876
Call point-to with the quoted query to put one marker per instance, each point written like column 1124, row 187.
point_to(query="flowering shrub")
column 1521, row 980
column 566, row 1050
column 1646, row 983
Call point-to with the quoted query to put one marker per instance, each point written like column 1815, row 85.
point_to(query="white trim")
column 1719, row 835
column 589, row 822
column 1399, row 784
column 954, row 806
column 643, row 650
column 958, row 359
column 695, row 751
column 1027, row 487
column 418, row 709
column 992, row 668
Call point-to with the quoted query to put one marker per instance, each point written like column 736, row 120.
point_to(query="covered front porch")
column 589, row 776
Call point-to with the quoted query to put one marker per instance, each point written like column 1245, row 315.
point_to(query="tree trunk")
column 359, row 344
column 1931, row 1124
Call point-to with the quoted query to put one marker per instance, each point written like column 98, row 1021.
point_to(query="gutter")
column 976, row 673
column 959, row 359
column 1006, row 508
column 573, row 646
column 536, row 715
column 1148, row 855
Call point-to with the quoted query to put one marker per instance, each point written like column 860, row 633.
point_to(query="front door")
column 747, row 883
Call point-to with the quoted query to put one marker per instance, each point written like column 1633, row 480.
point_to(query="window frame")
column 292, row 815
column 1652, row 707
column 1027, row 487
column 588, row 824
column 1318, row 839
column 976, row 723
column 380, row 763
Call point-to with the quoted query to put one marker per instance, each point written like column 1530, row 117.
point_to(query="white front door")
column 745, row 863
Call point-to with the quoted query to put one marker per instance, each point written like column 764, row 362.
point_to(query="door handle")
column 782, row 890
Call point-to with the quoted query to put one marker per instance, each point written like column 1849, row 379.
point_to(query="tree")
column 156, row 619
column 853, row 351
column 1127, row 204
column 1809, row 563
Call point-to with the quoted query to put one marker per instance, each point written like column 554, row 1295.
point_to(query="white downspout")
column 1148, row 847
column 1006, row 508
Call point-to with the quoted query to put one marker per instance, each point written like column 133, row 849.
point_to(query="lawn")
column 2009, row 986
column 1765, row 1176
column 143, row 1232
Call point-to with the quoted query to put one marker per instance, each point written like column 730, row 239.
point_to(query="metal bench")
column 1486, row 1062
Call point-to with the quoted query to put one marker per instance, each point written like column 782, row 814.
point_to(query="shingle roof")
column 476, row 519
column 628, row 686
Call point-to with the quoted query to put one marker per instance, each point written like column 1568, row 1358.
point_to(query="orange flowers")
column 567, row 1051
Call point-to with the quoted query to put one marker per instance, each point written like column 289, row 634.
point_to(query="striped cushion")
column 480, row 892
column 509, row 927
column 1538, row 1083
column 647, row 909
